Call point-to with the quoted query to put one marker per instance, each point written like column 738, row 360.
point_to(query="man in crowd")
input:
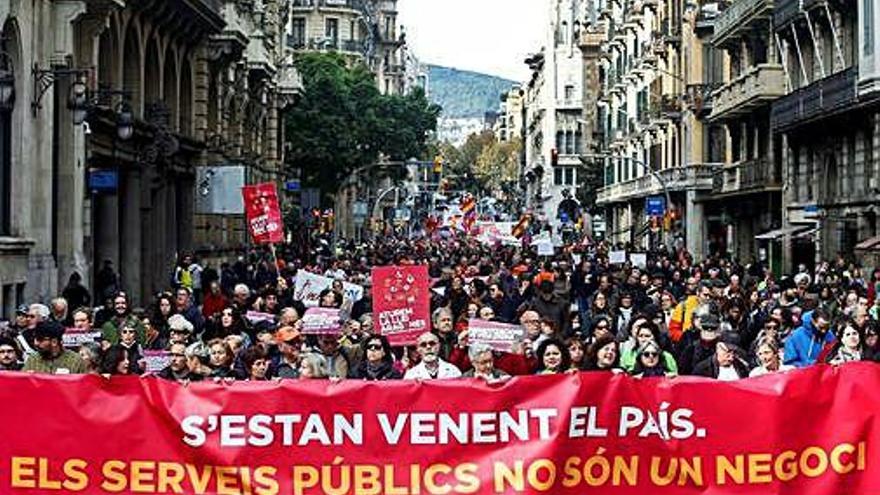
column 51, row 356
column 431, row 366
column 122, row 317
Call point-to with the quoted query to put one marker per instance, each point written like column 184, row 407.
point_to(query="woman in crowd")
column 602, row 355
column 114, row 361
column 650, row 362
column 162, row 311
column 128, row 343
column 768, row 357
column 643, row 330
column 553, row 357
column 378, row 362
column 222, row 359
column 313, row 366
column 230, row 322
column 577, row 350
column 849, row 345
column 91, row 356
column 598, row 310
column 256, row 363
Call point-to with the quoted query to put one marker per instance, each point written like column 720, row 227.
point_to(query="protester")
column 51, row 357
column 602, row 355
column 431, row 365
column 10, row 356
column 768, row 357
column 313, row 366
column 378, row 363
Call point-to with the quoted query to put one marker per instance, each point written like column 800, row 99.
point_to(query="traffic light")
column 554, row 157
column 438, row 164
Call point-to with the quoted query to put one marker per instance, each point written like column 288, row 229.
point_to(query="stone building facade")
column 109, row 120
column 363, row 30
column 554, row 123
column 657, row 70
column 828, row 128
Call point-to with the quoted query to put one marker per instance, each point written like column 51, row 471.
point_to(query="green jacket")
column 628, row 361
column 111, row 329
column 68, row 362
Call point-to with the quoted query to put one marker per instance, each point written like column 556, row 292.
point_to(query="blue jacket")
column 804, row 345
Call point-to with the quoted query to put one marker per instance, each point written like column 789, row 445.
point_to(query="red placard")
column 807, row 432
column 401, row 302
column 263, row 213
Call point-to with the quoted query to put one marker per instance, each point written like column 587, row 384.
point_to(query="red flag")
column 263, row 213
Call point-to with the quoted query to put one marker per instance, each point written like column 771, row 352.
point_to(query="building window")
column 331, row 31
column 298, row 32
column 557, row 176
column 868, row 27
column 569, row 93
column 569, row 176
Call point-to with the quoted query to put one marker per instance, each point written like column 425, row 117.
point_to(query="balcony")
column 326, row 44
column 758, row 86
column 787, row 11
column 691, row 177
column 823, row 98
column 325, row 4
column 748, row 177
column 735, row 20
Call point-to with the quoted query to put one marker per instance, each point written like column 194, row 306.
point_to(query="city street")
column 413, row 246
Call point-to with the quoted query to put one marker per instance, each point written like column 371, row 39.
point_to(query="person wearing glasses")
column 483, row 361
column 431, row 366
column 378, row 362
column 650, row 362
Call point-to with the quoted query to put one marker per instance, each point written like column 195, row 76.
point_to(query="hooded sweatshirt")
column 804, row 345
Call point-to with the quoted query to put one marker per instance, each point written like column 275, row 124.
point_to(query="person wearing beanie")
column 51, row 356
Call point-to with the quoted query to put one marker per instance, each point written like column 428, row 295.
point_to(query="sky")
column 489, row 36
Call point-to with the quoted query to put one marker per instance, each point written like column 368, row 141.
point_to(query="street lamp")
column 124, row 121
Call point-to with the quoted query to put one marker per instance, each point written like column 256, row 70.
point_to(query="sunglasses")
column 179, row 331
column 432, row 343
column 649, row 354
column 126, row 330
column 374, row 347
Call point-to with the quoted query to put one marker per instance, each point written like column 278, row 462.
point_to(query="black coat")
column 385, row 371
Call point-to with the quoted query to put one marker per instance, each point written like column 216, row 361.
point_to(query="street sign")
column 292, row 185
column 655, row 206
column 359, row 209
column 103, row 180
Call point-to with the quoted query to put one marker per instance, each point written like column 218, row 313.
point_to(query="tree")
column 342, row 121
column 497, row 163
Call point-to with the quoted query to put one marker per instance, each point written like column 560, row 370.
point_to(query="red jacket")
column 512, row 364
column 213, row 304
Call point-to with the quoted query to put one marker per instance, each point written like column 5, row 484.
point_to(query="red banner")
column 263, row 213
column 809, row 432
column 401, row 302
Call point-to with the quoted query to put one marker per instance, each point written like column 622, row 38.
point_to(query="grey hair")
column 242, row 288
column 474, row 350
column 438, row 312
column 40, row 309
column 317, row 363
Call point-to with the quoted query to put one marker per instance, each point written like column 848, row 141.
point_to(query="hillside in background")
column 465, row 94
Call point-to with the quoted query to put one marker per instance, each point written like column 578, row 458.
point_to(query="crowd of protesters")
column 715, row 318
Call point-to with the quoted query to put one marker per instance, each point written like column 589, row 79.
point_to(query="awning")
column 870, row 244
column 776, row 234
